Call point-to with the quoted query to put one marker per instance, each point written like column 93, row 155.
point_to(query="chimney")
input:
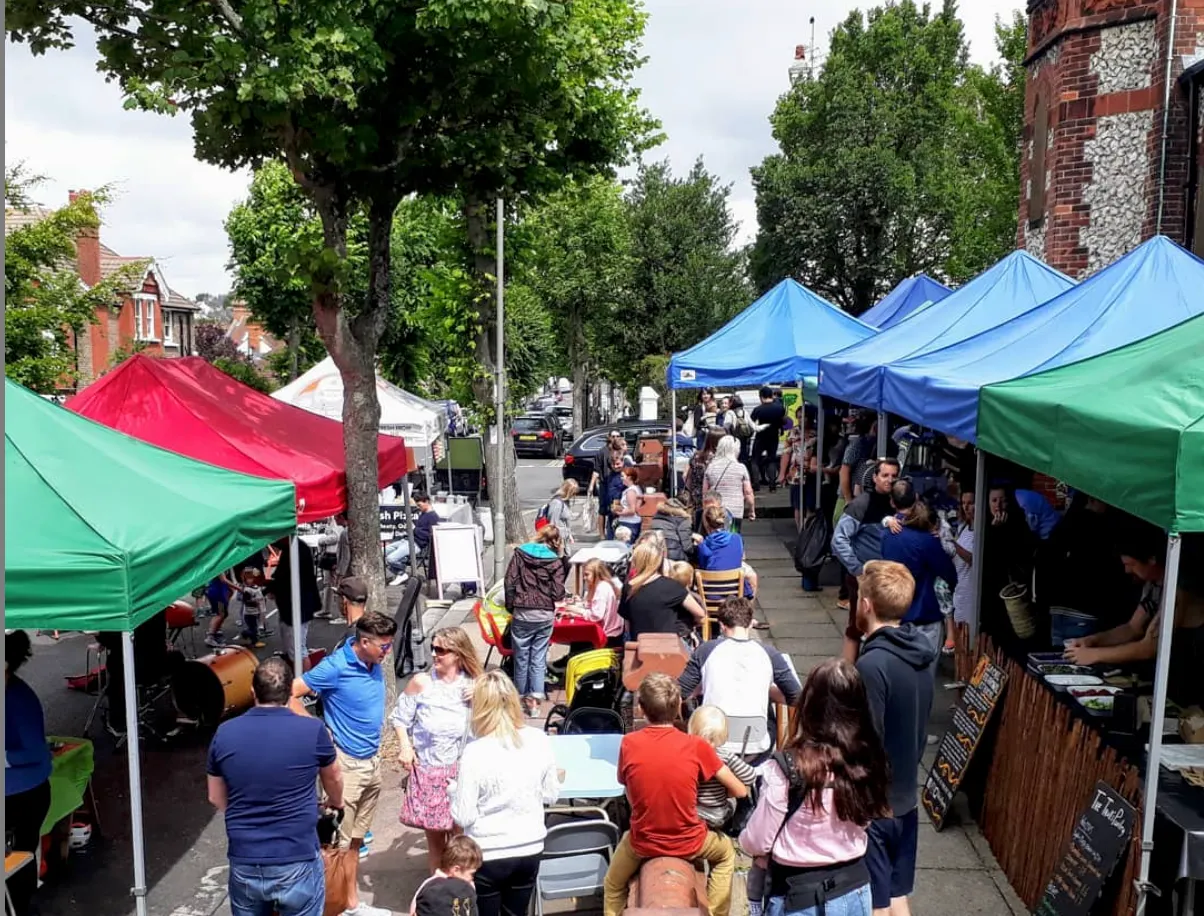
column 239, row 313
column 800, row 52
column 87, row 249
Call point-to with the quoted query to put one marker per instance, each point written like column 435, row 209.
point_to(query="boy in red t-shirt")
column 662, row 768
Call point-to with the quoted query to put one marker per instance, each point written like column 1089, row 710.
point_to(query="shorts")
column 361, row 792
column 891, row 857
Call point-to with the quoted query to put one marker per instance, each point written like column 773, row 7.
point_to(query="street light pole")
column 497, row 497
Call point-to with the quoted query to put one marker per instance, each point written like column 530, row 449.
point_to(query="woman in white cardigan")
column 507, row 774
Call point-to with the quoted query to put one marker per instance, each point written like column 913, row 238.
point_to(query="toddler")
column 715, row 806
column 450, row 890
column 251, row 598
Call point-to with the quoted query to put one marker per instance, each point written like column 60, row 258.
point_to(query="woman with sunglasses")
column 431, row 720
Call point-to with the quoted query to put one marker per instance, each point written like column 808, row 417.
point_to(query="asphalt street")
column 185, row 840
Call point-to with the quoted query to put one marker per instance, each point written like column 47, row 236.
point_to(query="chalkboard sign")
column 970, row 718
column 392, row 522
column 1100, row 836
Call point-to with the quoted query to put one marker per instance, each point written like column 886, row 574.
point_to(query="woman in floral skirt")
column 432, row 725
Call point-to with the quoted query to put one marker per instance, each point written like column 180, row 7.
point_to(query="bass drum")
column 210, row 688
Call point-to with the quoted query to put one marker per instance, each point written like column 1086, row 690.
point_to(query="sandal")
column 760, row 625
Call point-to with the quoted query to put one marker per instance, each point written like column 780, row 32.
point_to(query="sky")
column 714, row 72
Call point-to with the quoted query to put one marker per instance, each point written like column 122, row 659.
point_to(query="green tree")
column 365, row 103
column 687, row 278
column 575, row 254
column 45, row 303
column 899, row 156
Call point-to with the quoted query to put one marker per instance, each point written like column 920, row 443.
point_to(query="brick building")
column 150, row 315
column 1112, row 150
column 249, row 337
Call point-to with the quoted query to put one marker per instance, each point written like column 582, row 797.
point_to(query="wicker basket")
column 1020, row 610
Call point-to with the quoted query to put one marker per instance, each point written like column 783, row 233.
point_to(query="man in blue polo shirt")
column 263, row 772
column 351, row 684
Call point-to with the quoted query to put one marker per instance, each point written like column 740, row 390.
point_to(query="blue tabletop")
column 590, row 764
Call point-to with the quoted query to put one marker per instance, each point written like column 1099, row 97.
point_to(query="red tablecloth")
column 570, row 628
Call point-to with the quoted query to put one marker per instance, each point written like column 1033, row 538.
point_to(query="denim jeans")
column 531, row 639
column 1069, row 626
column 298, row 889
column 854, row 903
column 397, row 555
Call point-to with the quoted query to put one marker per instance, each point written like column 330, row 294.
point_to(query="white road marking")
column 557, row 463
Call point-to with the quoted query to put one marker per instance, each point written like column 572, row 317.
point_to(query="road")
column 185, row 839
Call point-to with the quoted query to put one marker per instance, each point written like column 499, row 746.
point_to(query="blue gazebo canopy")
column 1011, row 287
column 776, row 340
column 912, row 294
column 1154, row 287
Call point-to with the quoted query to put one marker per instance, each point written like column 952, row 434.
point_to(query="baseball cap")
column 353, row 589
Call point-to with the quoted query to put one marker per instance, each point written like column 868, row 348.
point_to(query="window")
column 1036, row 166
column 144, row 316
column 169, row 329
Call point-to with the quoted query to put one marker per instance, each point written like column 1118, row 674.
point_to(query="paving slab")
column 827, row 646
column 957, row 892
column 792, row 616
column 947, row 849
column 805, row 664
column 791, row 629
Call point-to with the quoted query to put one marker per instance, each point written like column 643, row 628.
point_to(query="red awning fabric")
column 191, row 408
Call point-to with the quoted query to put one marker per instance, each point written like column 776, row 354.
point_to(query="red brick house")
column 151, row 314
column 1112, row 138
column 249, row 337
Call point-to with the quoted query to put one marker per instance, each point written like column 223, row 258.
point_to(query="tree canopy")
column 898, row 156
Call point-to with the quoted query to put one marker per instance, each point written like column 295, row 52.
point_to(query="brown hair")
column 549, row 536
column 457, row 640
column 708, row 446
column 374, row 623
column 461, row 852
column 735, row 612
column 889, row 588
column 834, row 744
column 714, row 518
column 682, row 573
column 660, row 699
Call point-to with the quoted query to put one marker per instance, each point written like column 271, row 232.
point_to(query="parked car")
column 564, row 416
column 579, row 457
column 537, row 433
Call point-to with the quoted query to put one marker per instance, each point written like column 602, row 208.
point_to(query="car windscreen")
column 529, row 424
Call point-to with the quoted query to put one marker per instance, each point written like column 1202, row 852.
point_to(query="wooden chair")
column 715, row 587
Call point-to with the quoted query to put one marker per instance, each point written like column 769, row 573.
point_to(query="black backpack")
column 813, row 547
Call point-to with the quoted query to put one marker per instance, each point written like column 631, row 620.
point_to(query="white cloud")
column 715, row 70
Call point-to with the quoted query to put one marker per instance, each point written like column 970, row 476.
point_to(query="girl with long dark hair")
column 809, row 827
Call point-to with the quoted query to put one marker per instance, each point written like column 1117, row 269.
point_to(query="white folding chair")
column 575, row 858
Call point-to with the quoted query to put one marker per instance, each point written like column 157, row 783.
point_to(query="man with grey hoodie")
column 894, row 665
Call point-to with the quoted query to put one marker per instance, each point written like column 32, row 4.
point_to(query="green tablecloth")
column 71, row 771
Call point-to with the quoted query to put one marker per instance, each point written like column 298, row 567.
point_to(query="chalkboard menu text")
column 392, row 522
column 970, row 718
column 1099, row 838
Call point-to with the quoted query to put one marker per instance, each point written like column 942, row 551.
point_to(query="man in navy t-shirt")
column 263, row 771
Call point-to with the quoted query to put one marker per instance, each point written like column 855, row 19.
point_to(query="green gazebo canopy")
column 102, row 531
column 1125, row 426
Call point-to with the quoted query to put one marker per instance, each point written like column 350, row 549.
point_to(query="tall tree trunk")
column 500, row 462
column 577, row 359
column 294, row 345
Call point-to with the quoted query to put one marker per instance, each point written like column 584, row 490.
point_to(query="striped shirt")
column 715, row 806
column 727, row 478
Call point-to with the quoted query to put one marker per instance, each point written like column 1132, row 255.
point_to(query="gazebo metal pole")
column 673, row 441
column 980, row 527
column 134, row 752
column 294, row 585
column 882, row 434
column 819, row 450
column 1166, row 632
column 802, row 477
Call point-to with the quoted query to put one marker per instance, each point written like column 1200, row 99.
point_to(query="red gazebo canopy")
column 191, row 408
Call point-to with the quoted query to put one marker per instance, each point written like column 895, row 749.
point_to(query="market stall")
column 189, row 407
column 778, row 339
column 1152, row 419
column 103, row 532
column 914, row 293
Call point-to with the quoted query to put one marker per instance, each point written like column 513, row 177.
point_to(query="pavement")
column 185, row 839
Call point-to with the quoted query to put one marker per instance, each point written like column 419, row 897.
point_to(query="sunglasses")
column 383, row 646
column 441, row 650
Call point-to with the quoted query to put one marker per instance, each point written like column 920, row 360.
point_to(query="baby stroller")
column 593, row 689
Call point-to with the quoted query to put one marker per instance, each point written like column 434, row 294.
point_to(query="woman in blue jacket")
column 26, row 767
column 909, row 539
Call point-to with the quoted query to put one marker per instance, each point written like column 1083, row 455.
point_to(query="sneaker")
column 367, row 837
column 363, row 853
column 259, row 644
column 398, row 579
column 365, row 909
column 947, row 648
column 842, row 603
column 213, row 642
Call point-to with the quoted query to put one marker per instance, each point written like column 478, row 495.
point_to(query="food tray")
column 1098, row 701
column 1072, row 680
column 1064, row 668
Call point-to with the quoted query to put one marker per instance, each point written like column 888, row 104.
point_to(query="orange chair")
column 715, row 587
column 491, row 633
